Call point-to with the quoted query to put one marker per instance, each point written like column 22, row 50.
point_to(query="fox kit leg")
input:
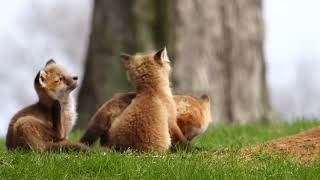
column 31, row 133
column 66, row 145
column 104, row 139
column 91, row 135
column 176, row 134
column 36, row 135
column 58, row 126
column 99, row 124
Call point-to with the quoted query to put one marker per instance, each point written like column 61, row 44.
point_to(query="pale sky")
column 292, row 35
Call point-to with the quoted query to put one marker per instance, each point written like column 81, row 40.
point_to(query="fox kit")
column 143, row 125
column 193, row 117
column 46, row 124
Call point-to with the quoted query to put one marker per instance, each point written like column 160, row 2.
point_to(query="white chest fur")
column 69, row 110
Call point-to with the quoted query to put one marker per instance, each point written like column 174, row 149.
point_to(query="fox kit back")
column 143, row 125
column 46, row 124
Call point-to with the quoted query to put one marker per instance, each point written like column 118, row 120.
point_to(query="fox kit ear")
column 161, row 56
column 51, row 61
column 205, row 97
column 42, row 78
column 125, row 57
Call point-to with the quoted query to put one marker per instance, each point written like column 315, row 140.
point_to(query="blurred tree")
column 219, row 51
column 117, row 27
column 217, row 48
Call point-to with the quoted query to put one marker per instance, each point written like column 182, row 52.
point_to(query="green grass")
column 221, row 160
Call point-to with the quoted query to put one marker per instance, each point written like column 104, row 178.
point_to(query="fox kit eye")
column 60, row 79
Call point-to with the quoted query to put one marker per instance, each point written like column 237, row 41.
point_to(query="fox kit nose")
column 72, row 82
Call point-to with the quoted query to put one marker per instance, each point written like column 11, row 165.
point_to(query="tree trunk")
column 104, row 74
column 219, row 51
column 216, row 47
column 117, row 27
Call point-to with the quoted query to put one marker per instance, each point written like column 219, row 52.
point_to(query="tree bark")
column 219, row 51
column 117, row 27
column 104, row 74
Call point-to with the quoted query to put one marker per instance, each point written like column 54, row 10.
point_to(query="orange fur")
column 193, row 117
column 143, row 125
column 152, row 103
column 46, row 124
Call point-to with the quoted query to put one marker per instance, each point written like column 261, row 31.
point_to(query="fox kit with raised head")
column 143, row 125
column 46, row 124
column 193, row 117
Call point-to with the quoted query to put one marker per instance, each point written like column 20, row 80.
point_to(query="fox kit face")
column 55, row 82
column 147, row 67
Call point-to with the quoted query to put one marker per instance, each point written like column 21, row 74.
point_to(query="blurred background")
column 257, row 60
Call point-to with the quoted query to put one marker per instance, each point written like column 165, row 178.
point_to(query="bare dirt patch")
column 304, row 146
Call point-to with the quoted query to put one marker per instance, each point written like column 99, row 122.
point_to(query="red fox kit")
column 144, row 124
column 46, row 124
column 193, row 117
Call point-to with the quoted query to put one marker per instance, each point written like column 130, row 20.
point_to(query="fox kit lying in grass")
column 46, row 124
column 193, row 117
column 144, row 124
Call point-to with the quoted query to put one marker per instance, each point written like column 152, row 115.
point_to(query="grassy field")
column 220, row 160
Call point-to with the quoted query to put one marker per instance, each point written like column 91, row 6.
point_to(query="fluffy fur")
column 46, row 124
column 143, row 125
column 193, row 117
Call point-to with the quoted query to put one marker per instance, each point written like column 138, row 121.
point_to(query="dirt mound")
column 304, row 146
